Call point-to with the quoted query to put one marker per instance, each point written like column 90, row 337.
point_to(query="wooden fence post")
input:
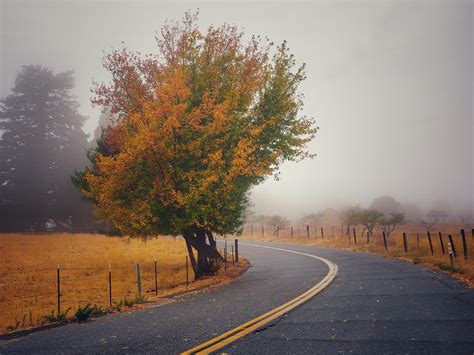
column 307, row 230
column 355, row 236
column 429, row 241
column 139, row 279
column 225, row 249
column 187, row 272
column 322, row 233
column 368, row 237
column 110, row 286
column 263, row 231
column 156, row 278
column 464, row 244
column 236, row 250
column 453, row 247
column 233, row 255
column 441, row 242
column 384, row 240
column 59, row 292
column 405, row 242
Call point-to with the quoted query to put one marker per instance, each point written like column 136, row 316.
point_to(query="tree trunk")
column 212, row 241
column 208, row 255
column 203, row 255
column 197, row 273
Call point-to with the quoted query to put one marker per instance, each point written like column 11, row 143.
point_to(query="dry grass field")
column 419, row 250
column 28, row 274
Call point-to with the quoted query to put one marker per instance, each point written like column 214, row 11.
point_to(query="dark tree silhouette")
column 41, row 146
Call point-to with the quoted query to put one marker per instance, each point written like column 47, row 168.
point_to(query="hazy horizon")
column 390, row 85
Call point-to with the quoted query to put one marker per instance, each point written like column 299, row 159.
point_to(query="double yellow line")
column 252, row 325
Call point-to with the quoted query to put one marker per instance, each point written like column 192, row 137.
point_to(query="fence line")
column 461, row 245
column 105, row 287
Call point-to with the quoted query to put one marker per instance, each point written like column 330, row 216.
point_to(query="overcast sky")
column 389, row 83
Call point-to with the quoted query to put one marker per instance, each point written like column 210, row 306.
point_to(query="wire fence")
column 34, row 297
column 451, row 244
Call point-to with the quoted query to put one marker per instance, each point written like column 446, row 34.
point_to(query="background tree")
column 197, row 126
column 349, row 217
column 42, row 144
column 311, row 218
column 330, row 216
column 433, row 218
column 385, row 204
column 412, row 211
column 105, row 119
column 277, row 223
column 389, row 224
column 369, row 219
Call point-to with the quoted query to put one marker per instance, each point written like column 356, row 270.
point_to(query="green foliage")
column 197, row 127
column 369, row 219
column 130, row 302
column 350, row 216
column 389, row 224
column 450, row 268
column 83, row 313
column 56, row 318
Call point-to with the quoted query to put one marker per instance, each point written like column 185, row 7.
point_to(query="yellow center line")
column 252, row 325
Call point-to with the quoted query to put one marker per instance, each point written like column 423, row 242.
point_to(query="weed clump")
column 83, row 313
column 129, row 302
column 450, row 268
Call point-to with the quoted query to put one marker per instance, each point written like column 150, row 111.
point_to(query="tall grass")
column 28, row 273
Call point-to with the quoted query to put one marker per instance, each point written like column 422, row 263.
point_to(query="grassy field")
column 418, row 246
column 28, row 274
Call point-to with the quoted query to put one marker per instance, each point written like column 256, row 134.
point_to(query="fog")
column 390, row 85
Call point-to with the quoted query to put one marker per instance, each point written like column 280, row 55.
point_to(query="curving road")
column 374, row 305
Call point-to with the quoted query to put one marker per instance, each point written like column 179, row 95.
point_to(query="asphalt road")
column 375, row 305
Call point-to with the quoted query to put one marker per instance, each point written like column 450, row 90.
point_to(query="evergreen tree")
column 41, row 146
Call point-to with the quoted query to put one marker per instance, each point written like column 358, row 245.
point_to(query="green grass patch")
column 450, row 268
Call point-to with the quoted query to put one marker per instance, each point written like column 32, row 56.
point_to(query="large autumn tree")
column 197, row 126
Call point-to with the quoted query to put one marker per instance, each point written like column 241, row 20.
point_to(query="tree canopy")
column 390, row 223
column 369, row 219
column 198, row 124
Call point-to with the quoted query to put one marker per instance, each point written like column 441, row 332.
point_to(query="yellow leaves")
column 172, row 93
column 200, row 128
column 214, row 159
